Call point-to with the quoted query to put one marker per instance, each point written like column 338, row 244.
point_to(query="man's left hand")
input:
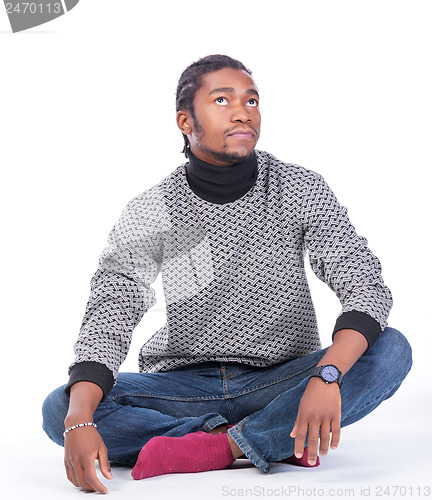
column 319, row 413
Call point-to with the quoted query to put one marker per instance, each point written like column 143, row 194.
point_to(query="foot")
column 195, row 452
column 236, row 451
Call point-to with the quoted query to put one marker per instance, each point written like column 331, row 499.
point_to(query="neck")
column 219, row 184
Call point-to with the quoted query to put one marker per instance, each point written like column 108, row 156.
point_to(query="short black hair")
column 191, row 81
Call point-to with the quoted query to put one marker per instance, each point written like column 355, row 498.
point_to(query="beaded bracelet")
column 78, row 425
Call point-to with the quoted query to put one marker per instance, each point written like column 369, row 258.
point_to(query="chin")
column 233, row 156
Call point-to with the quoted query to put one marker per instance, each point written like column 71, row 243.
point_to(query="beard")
column 230, row 157
column 223, row 155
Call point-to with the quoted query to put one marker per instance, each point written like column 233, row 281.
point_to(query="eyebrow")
column 232, row 91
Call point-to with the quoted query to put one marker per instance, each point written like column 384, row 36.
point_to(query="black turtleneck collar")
column 221, row 184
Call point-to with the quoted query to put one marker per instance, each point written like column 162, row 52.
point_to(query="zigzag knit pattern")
column 233, row 274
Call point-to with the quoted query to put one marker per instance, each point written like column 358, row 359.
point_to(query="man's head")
column 217, row 110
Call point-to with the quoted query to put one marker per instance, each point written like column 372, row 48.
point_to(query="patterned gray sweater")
column 233, row 275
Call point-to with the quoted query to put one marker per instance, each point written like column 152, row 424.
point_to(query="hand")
column 82, row 447
column 319, row 411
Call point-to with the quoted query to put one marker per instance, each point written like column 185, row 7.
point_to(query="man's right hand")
column 82, row 447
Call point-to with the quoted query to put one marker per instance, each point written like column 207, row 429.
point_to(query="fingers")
column 81, row 452
column 93, row 483
column 313, row 440
column 324, row 438
column 86, row 478
column 299, row 432
column 83, row 474
column 104, row 464
column 71, row 475
column 336, row 431
column 318, row 435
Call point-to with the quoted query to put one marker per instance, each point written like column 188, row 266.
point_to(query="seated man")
column 238, row 369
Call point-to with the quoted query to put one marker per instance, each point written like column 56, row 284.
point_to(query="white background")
column 87, row 121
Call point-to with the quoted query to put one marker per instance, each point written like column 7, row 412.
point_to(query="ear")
column 184, row 122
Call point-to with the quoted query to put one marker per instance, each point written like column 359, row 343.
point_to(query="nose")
column 240, row 113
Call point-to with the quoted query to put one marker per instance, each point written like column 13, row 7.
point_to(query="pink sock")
column 195, row 452
column 303, row 461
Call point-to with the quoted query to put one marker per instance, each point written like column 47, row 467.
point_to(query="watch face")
column 329, row 373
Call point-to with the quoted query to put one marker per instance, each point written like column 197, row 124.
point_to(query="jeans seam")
column 158, row 396
column 257, row 388
column 225, row 391
column 227, row 376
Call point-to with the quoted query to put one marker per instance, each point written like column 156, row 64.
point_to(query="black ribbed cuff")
column 91, row 371
column 361, row 322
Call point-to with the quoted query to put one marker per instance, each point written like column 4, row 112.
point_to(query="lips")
column 242, row 132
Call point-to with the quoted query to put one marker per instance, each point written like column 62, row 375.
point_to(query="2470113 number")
column 402, row 491
column 34, row 8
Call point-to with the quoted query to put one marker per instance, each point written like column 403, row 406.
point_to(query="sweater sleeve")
column 341, row 258
column 121, row 293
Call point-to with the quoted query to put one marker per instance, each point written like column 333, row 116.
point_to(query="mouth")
column 242, row 133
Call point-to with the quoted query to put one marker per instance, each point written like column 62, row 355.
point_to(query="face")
column 225, row 125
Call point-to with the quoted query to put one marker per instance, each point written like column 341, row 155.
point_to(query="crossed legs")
column 260, row 404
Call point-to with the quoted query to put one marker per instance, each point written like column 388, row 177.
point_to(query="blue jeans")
column 261, row 402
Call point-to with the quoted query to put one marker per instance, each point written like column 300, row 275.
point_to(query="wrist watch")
column 328, row 373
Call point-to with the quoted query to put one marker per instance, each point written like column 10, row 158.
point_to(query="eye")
column 252, row 102
column 222, row 101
